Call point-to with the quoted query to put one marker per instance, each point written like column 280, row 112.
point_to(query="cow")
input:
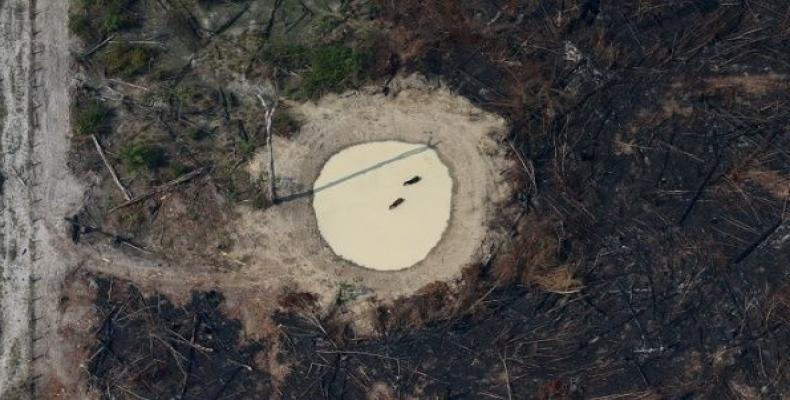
column 397, row 202
column 412, row 181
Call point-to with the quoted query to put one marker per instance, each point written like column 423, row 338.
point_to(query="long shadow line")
column 338, row 181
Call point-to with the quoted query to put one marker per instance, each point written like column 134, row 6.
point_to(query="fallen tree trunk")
column 160, row 189
column 125, row 192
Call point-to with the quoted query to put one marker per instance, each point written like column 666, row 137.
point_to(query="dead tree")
column 123, row 189
column 269, row 103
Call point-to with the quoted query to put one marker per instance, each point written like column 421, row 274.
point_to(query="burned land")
column 643, row 247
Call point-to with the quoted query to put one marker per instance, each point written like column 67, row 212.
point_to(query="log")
column 160, row 189
column 125, row 192
column 269, row 116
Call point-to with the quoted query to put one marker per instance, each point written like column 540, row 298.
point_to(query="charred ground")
column 651, row 257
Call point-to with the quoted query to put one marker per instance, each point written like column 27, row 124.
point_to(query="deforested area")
column 414, row 199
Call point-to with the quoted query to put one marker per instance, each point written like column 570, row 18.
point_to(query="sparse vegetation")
column 127, row 60
column 348, row 292
column 94, row 19
column 286, row 55
column 323, row 68
column 331, row 68
column 143, row 156
column 91, row 118
column 285, row 123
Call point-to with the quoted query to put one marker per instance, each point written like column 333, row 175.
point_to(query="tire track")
column 17, row 229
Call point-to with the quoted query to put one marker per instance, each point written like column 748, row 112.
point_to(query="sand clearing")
column 357, row 187
column 284, row 245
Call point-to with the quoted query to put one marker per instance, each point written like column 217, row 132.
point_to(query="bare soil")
column 17, row 231
column 415, row 113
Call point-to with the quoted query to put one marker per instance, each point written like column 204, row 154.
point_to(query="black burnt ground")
column 147, row 348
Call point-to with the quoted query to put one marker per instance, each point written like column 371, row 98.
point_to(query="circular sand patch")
column 383, row 205
column 293, row 245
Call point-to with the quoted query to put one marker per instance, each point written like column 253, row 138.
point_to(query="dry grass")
column 558, row 280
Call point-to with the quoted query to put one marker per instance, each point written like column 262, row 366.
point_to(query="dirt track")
column 15, row 345
column 58, row 193
column 39, row 190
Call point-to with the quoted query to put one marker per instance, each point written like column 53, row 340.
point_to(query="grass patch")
column 287, row 56
column 91, row 118
column 332, row 68
column 143, row 156
column 93, row 19
column 127, row 60
column 324, row 68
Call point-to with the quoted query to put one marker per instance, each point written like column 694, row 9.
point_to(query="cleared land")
column 619, row 225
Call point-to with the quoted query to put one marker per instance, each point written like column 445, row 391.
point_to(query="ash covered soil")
column 649, row 258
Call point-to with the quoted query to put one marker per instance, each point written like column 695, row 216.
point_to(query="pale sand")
column 353, row 193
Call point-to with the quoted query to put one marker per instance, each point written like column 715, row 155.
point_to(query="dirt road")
column 38, row 190
column 15, row 302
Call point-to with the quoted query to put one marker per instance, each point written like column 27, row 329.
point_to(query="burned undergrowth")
column 651, row 260
column 146, row 347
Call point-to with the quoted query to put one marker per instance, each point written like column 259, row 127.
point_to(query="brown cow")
column 412, row 181
column 397, row 202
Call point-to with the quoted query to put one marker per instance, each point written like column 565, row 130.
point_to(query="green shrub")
column 140, row 156
column 94, row 17
column 198, row 134
column 91, row 118
column 80, row 25
column 126, row 60
column 117, row 21
column 332, row 67
column 288, row 56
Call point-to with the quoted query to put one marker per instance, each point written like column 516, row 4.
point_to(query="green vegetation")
column 324, row 68
column 170, row 116
column 287, row 56
column 127, row 60
column 331, row 68
column 198, row 134
column 349, row 291
column 93, row 19
column 140, row 156
column 91, row 118
column 80, row 25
